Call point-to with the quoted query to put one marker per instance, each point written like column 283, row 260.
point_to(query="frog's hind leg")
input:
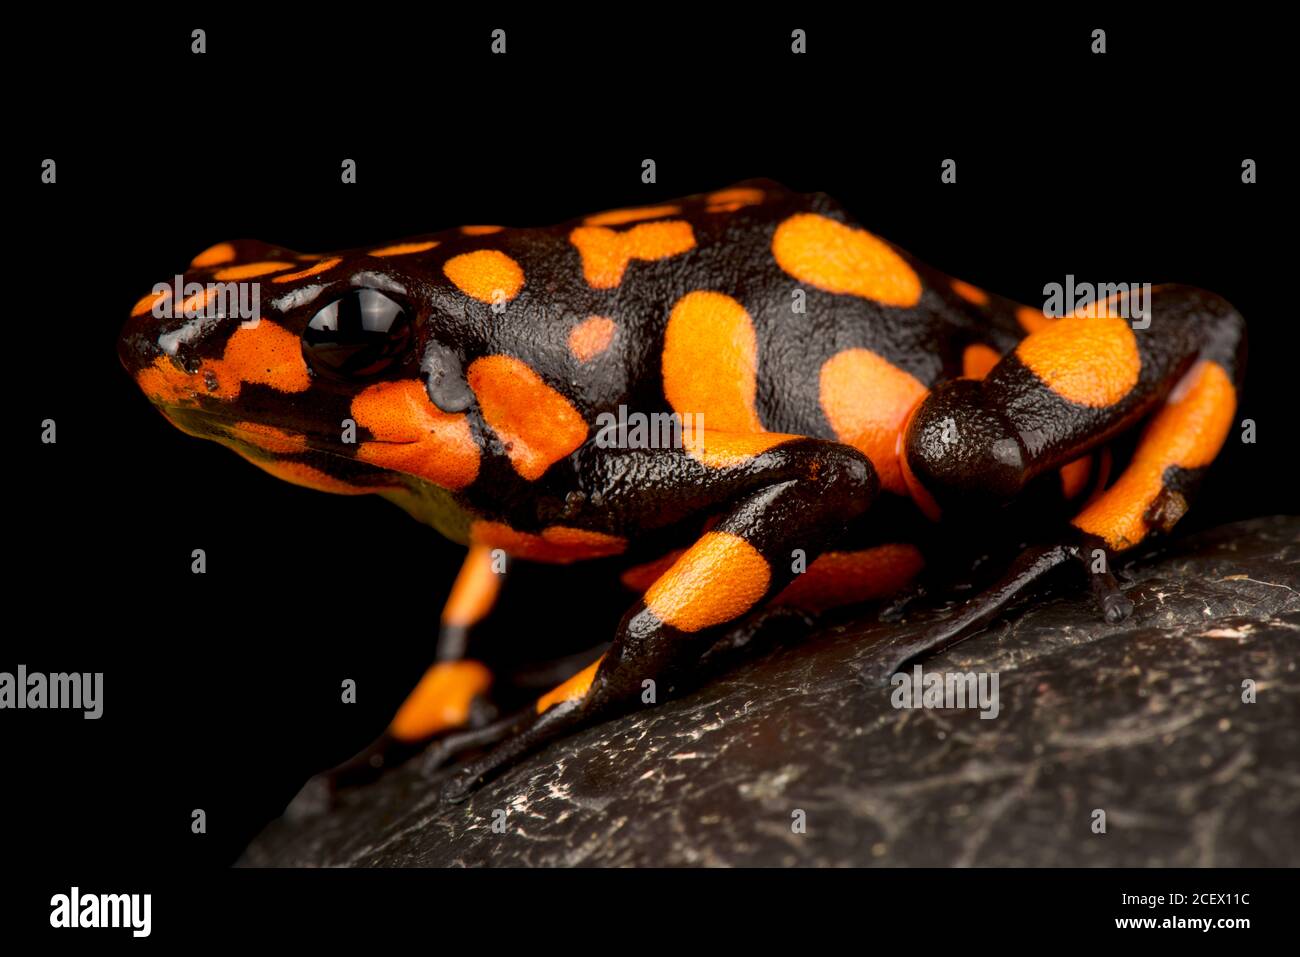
column 1069, row 387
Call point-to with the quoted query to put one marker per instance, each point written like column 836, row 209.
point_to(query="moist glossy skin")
column 834, row 390
column 580, row 330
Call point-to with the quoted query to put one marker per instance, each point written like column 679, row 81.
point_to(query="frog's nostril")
column 162, row 324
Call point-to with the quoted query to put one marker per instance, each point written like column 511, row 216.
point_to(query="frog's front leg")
column 444, row 700
column 778, row 494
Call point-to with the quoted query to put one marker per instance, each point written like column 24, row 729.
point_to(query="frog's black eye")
column 357, row 336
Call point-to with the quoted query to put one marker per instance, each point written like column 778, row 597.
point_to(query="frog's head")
column 327, row 371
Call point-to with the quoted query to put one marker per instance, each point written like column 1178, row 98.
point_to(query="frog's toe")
column 452, row 745
column 527, row 735
column 1113, row 605
column 1029, row 568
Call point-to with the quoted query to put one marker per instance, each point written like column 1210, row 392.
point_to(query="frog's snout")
column 222, row 287
column 137, row 345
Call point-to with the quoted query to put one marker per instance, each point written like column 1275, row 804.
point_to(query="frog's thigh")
column 1074, row 384
column 1078, row 476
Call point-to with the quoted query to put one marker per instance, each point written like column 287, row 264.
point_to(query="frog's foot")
column 449, row 746
column 1028, row 570
column 525, row 735
column 447, row 715
column 451, row 697
column 713, row 585
column 1113, row 605
column 388, row 751
column 324, row 791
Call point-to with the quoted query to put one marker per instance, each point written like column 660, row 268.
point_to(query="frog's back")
column 755, row 307
column 749, row 309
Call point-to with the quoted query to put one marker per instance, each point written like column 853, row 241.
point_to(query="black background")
column 222, row 690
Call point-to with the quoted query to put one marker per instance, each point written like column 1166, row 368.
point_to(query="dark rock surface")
column 1144, row 720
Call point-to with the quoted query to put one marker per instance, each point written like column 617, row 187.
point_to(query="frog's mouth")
column 219, row 427
column 288, row 455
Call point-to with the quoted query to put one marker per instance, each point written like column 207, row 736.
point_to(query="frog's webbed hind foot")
column 1073, row 383
column 1032, row 565
column 1029, row 569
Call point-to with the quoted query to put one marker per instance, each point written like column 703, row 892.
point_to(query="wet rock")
column 1144, row 721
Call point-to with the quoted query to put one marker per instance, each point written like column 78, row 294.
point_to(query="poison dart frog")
column 825, row 391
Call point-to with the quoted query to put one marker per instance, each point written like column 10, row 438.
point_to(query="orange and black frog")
column 744, row 397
